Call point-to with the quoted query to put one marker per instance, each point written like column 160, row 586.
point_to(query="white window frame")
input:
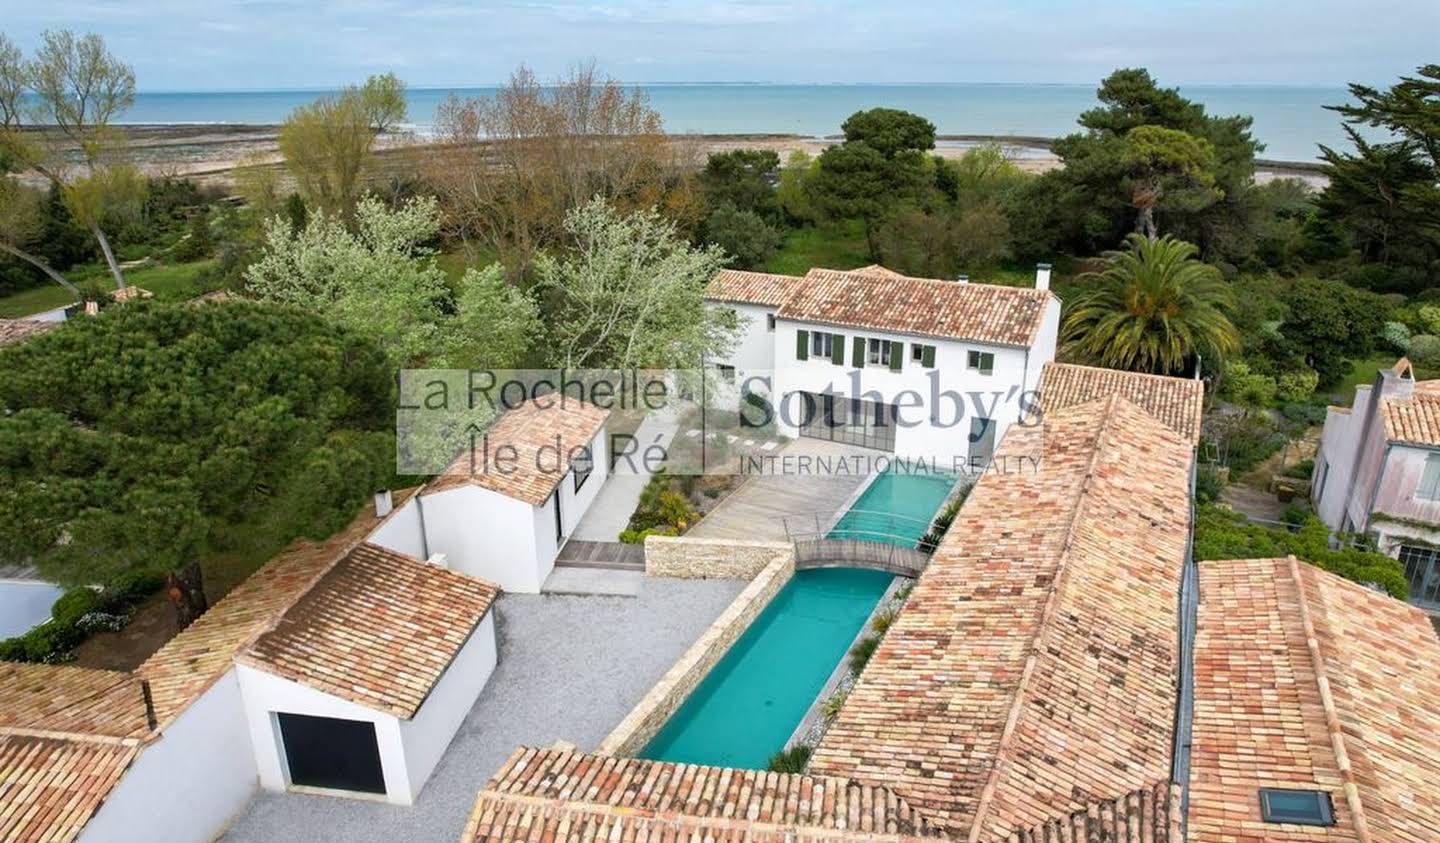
column 975, row 362
column 877, row 352
column 822, row 345
column 1428, row 489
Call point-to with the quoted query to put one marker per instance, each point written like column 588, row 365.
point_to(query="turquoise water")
column 1289, row 120
column 895, row 508
column 748, row 705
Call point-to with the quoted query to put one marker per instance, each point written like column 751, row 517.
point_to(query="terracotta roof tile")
column 1414, row 420
column 976, row 312
column 16, row 330
column 1307, row 681
column 50, row 788
column 543, row 433
column 1033, row 670
column 559, row 795
column 762, row 288
column 60, row 700
column 192, row 661
column 378, row 629
column 1178, row 402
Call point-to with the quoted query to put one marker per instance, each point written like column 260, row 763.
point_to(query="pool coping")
column 842, row 667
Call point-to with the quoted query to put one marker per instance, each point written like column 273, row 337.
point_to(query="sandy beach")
column 208, row 153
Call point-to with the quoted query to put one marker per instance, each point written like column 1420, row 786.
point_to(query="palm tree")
column 1154, row 309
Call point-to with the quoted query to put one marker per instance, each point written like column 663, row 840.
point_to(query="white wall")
column 1046, row 340
column 435, row 724
column 999, row 393
column 484, row 534
column 190, row 783
column 1336, row 459
column 402, row 533
column 265, row 694
column 754, row 348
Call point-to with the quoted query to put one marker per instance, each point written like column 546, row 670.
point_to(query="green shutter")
column 837, row 351
column 802, row 345
column 897, row 355
column 927, row 356
column 858, row 358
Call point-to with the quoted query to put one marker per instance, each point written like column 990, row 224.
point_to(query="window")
column 583, row 463
column 1429, row 488
column 727, row 373
column 770, row 322
column 822, row 345
column 1422, row 572
column 922, row 354
column 878, row 353
column 1296, row 807
column 981, row 361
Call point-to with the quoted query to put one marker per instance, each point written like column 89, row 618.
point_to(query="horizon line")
column 739, row 84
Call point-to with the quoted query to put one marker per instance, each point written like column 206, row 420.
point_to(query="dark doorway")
column 559, row 520
column 331, row 753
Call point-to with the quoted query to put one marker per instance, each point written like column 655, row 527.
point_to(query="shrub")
column 1223, row 534
column 133, row 586
column 1248, row 440
column 1425, row 349
column 860, row 654
column 1300, row 470
column 93, row 622
column 1304, row 413
column 830, row 709
column 638, row 536
column 882, row 620
column 74, row 604
column 1246, row 387
column 1208, row 484
column 1296, row 386
column 1397, row 336
column 744, row 235
column 792, row 760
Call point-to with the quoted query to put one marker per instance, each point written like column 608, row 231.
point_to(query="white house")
column 918, row 367
column 505, row 514
column 339, row 667
column 1377, row 471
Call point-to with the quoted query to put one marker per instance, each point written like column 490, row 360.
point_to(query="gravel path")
column 570, row 668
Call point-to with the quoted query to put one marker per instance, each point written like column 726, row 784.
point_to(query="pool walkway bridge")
column 881, row 541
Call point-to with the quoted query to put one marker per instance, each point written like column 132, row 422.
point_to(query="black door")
column 330, row 753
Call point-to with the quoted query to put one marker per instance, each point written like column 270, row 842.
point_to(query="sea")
column 1290, row 121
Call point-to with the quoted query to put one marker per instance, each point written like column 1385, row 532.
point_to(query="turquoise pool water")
column 896, row 508
column 748, row 705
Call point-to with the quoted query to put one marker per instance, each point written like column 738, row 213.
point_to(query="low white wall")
column 186, row 786
column 266, row 694
column 435, row 724
column 402, row 532
column 485, row 534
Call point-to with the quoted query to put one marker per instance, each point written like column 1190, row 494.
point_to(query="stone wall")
column 686, row 558
column 649, row 715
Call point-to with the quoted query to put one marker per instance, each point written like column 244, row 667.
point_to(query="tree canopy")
column 328, row 144
column 879, row 167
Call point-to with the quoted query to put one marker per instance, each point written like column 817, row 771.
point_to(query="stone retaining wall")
column 649, row 715
column 686, row 558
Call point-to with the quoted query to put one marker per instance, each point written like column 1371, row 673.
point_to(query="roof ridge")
column 1037, row 642
column 943, row 282
column 1125, row 372
column 1327, row 704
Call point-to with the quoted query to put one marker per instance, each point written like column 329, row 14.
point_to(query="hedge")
column 76, row 615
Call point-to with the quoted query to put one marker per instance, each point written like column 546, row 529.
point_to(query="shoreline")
column 207, row 152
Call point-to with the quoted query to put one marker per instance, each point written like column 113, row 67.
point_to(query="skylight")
column 1296, row 807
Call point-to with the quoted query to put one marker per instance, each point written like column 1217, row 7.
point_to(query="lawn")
column 1363, row 372
column 168, row 282
column 465, row 257
column 839, row 245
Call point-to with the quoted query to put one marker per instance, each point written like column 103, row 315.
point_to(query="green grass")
column 169, row 282
column 466, row 257
column 839, row 245
column 1363, row 372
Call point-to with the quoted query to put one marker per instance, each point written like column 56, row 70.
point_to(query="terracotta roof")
column 763, row 288
column 877, row 269
column 378, row 629
column 1304, row 680
column 16, row 330
column 192, row 661
column 1148, row 815
column 1414, row 420
column 130, row 292
column 50, row 788
column 558, row 795
column 62, row 700
column 542, row 433
column 1177, row 402
column 1033, row 670
column 975, row 312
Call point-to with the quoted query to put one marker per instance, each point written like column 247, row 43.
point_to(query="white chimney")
column 963, row 279
column 439, row 560
column 383, row 503
column 92, row 308
column 1042, row 276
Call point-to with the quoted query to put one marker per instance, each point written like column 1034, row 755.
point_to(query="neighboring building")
column 1322, row 696
column 16, row 330
column 333, row 656
column 1378, row 472
column 505, row 520
column 861, row 356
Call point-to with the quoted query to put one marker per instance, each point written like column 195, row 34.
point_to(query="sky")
column 257, row 44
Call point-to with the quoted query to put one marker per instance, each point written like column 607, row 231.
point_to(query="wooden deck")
column 757, row 511
column 614, row 555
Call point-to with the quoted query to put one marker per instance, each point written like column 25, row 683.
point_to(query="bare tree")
column 508, row 168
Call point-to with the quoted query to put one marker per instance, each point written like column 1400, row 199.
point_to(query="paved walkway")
column 570, row 668
column 758, row 510
column 610, row 512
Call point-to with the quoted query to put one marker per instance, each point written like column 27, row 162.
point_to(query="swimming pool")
column 745, row 709
column 896, row 508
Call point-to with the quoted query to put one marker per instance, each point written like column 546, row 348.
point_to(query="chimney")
column 1042, row 276
column 92, row 308
column 383, row 503
column 439, row 560
column 963, row 278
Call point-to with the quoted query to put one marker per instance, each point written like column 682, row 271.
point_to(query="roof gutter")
column 1185, row 700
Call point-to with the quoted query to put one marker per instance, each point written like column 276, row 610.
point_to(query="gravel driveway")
column 570, row 668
